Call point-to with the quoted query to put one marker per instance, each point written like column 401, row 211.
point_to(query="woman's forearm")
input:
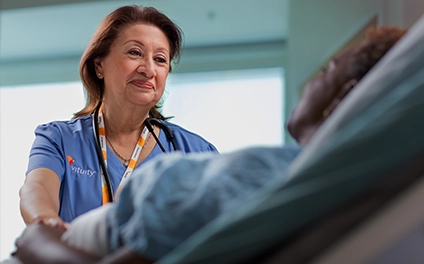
column 36, row 203
column 39, row 196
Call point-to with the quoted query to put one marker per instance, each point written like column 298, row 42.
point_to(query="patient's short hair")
column 376, row 43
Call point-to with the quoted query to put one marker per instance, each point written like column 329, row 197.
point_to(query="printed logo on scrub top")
column 77, row 169
column 70, row 160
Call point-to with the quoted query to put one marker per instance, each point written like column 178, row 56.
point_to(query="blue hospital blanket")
column 170, row 198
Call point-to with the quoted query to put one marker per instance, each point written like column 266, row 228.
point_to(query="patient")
column 170, row 198
column 323, row 94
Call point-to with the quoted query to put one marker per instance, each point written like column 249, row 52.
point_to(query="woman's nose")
column 146, row 68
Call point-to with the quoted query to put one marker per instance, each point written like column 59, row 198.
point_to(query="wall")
column 44, row 44
column 402, row 13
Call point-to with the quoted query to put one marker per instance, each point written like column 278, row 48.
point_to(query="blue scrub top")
column 68, row 148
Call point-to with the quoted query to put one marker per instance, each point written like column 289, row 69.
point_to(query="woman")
column 222, row 183
column 124, row 71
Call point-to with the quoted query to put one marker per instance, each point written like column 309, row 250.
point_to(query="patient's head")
column 323, row 93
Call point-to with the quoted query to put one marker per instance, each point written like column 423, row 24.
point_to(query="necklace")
column 126, row 161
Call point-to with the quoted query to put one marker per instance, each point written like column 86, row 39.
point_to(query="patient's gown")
column 173, row 196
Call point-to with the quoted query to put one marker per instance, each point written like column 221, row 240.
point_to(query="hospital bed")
column 354, row 193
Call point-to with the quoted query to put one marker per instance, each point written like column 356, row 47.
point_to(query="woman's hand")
column 54, row 222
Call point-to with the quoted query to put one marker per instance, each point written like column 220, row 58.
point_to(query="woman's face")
column 136, row 68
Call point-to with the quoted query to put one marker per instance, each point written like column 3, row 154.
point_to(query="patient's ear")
column 346, row 88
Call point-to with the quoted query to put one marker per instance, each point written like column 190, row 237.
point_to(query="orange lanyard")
column 134, row 157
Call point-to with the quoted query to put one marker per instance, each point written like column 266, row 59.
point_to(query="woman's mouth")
column 142, row 84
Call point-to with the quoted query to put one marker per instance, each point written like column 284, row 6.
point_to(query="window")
column 21, row 110
column 231, row 109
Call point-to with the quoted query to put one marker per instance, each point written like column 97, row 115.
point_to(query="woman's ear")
column 98, row 67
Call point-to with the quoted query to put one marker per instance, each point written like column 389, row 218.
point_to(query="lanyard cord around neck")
column 134, row 157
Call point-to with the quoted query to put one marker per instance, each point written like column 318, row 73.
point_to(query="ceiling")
column 60, row 28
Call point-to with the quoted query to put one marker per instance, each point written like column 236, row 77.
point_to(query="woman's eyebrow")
column 141, row 44
column 134, row 41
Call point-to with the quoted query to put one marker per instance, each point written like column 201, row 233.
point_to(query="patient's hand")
column 36, row 240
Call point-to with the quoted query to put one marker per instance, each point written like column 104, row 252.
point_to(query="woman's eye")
column 324, row 69
column 135, row 52
column 161, row 60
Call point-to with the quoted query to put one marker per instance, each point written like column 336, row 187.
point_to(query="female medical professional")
column 78, row 165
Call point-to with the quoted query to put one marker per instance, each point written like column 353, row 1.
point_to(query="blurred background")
column 241, row 73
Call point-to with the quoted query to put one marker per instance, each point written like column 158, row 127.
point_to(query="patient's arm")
column 125, row 256
column 40, row 243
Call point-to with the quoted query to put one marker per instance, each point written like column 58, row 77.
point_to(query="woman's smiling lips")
column 142, row 84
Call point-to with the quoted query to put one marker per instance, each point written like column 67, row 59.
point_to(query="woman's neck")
column 123, row 121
